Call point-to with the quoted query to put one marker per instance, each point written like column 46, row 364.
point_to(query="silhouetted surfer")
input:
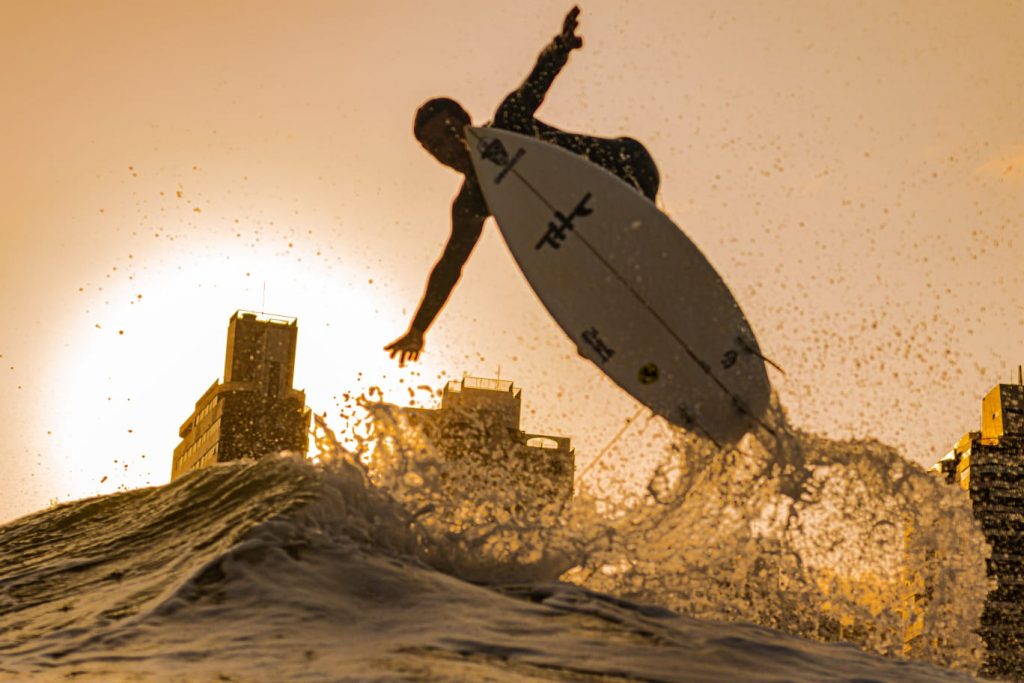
column 439, row 128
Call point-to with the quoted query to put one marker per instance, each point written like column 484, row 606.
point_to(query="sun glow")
column 148, row 346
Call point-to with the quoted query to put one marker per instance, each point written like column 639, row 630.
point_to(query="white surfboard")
column 624, row 282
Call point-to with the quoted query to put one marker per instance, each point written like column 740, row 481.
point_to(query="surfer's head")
column 439, row 128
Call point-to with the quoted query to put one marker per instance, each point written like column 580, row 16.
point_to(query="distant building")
column 478, row 421
column 989, row 466
column 255, row 411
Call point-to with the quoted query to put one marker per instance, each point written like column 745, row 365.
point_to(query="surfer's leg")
column 625, row 157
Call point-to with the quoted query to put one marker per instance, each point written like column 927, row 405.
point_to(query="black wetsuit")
column 625, row 157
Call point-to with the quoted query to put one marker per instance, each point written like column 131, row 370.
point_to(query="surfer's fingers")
column 570, row 24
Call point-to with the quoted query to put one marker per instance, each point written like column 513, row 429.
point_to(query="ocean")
column 790, row 557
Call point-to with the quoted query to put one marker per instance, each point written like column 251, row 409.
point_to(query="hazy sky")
column 855, row 171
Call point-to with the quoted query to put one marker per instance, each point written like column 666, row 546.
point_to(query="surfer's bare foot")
column 568, row 38
column 407, row 347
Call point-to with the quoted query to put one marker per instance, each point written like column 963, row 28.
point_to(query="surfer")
column 439, row 127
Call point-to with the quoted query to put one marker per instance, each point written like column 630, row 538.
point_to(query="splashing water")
column 830, row 540
column 288, row 570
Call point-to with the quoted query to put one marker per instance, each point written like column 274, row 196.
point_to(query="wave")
column 284, row 569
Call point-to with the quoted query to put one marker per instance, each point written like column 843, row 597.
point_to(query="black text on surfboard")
column 494, row 151
column 556, row 231
column 593, row 339
column 508, row 167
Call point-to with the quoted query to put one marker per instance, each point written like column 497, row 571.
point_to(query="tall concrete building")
column 255, row 410
column 989, row 466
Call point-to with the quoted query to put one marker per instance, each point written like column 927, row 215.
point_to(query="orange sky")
column 854, row 171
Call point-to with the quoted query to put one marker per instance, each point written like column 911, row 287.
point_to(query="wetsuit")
column 625, row 157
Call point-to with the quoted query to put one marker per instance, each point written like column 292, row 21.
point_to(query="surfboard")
column 632, row 291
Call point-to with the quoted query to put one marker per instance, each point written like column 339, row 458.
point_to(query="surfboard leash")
column 607, row 446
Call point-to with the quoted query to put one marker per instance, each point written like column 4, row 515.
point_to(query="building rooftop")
column 266, row 317
column 457, row 385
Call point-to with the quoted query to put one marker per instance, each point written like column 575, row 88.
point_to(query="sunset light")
column 457, row 341
column 163, row 329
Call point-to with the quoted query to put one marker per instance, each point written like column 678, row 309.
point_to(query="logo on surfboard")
column 593, row 339
column 557, row 231
column 494, row 151
column 648, row 374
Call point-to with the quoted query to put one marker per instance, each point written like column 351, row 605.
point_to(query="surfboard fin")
column 750, row 348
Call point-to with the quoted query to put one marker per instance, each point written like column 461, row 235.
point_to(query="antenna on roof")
column 1020, row 375
column 263, row 301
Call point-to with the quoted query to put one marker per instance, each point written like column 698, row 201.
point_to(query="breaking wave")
column 375, row 563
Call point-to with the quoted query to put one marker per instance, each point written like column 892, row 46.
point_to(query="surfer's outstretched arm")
column 522, row 103
column 468, row 216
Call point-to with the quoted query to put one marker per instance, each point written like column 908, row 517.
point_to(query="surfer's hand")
column 567, row 39
column 407, row 347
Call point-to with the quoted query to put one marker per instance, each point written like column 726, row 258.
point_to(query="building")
column 476, row 432
column 255, row 410
column 989, row 466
